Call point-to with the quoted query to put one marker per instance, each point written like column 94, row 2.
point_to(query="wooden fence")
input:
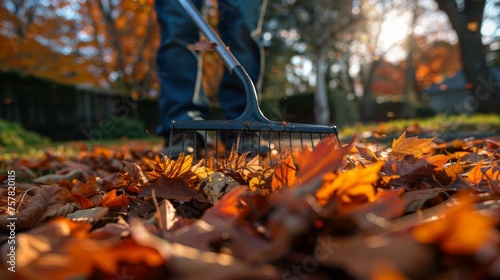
column 64, row 112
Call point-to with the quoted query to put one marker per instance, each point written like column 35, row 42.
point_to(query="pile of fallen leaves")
column 416, row 210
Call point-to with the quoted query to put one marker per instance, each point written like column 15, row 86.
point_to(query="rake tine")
column 206, row 147
column 279, row 143
column 183, row 139
column 270, row 156
column 301, row 141
column 216, row 148
column 170, row 141
column 195, row 145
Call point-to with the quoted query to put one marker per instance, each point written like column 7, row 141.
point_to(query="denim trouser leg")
column 238, row 19
column 178, row 67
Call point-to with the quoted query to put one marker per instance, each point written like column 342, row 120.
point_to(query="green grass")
column 435, row 125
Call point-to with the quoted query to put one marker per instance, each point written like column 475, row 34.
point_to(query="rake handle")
column 252, row 110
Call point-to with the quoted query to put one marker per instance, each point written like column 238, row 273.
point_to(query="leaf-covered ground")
column 420, row 209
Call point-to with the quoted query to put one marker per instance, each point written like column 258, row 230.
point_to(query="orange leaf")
column 386, row 271
column 460, row 230
column 89, row 255
column 403, row 146
column 438, row 161
column 113, row 201
column 326, row 156
column 454, row 170
column 475, row 176
column 356, row 183
column 80, row 201
column 228, row 206
column 284, row 174
column 493, row 173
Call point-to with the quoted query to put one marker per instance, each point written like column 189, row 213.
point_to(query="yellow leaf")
column 177, row 168
column 255, row 184
column 413, row 146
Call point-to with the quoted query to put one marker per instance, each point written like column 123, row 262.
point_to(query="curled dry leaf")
column 367, row 153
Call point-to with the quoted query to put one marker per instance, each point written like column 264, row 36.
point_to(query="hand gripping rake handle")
column 252, row 110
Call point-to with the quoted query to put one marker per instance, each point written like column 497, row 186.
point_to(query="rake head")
column 257, row 138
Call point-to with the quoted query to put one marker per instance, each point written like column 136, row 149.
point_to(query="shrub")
column 13, row 135
column 126, row 127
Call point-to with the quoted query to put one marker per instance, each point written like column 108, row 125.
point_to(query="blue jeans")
column 181, row 96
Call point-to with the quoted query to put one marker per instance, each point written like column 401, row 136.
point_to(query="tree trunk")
column 367, row 80
column 485, row 96
column 410, row 83
column 321, row 104
column 115, row 42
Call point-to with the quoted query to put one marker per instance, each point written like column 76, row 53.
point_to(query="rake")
column 252, row 122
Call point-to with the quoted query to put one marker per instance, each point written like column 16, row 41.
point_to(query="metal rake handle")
column 252, row 110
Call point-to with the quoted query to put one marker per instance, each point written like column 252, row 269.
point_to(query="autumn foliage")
column 419, row 209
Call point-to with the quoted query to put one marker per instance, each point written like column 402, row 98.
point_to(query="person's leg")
column 177, row 66
column 239, row 24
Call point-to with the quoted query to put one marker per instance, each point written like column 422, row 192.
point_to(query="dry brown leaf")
column 87, row 189
column 47, row 200
column 80, row 201
column 367, row 153
column 203, row 45
column 171, row 188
